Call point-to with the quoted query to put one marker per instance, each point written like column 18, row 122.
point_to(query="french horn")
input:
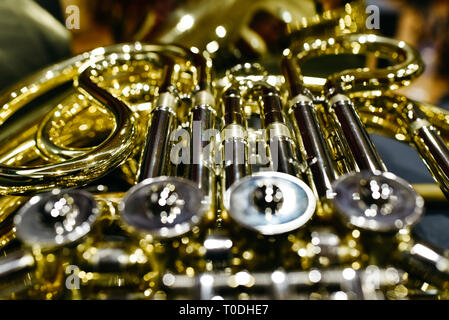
column 142, row 171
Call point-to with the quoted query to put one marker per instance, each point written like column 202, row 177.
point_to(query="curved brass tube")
column 80, row 170
column 405, row 120
column 407, row 63
column 127, row 53
column 71, row 166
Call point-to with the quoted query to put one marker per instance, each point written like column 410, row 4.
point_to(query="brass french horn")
column 146, row 171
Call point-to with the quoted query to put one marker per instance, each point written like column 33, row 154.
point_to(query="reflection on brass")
column 223, row 168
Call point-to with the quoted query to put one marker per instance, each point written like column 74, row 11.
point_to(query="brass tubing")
column 428, row 142
column 351, row 129
column 376, row 84
column 202, row 118
column 371, row 173
column 280, row 141
column 313, row 148
column 77, row 171
column 154, row 156
column 233, row 136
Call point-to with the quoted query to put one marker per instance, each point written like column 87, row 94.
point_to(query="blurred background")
column 35, row 33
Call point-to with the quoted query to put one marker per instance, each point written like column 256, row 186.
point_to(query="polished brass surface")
column 207, row 179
